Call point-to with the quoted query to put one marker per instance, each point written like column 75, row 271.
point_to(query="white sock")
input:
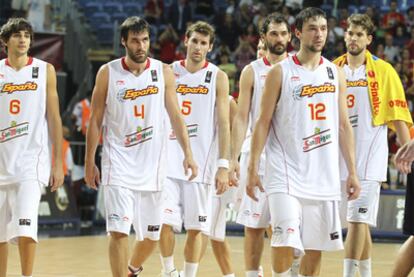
column 190, row 269
column 283, row 274
column 167, row 263
column 294, row 269
column 26, row 276
column 304, row 275
column 252, row 273
column 350, row 267
column 229, row 275
column 365, row 268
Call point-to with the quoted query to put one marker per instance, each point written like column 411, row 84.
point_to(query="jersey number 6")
column 14, row 106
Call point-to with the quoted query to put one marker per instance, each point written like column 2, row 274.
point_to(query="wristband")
column 223, row 163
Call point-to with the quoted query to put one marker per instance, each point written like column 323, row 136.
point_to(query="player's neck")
column 135, row 68
column 274, row 59
column 355, row 61
column 192, row 66
column 309, row 60
column 17, row 62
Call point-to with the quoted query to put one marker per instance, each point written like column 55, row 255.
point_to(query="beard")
column 356, row 51
column 314, row 49
column 276, row 49
column 133, row 56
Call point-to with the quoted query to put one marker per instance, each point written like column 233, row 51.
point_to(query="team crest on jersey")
column 35, row 72
column 318, row 139
column 184, row 89
column 14, row 131
column 357, row 83
column 132, row 94
column 10, row 88
column 140, row 136
column 192, row 130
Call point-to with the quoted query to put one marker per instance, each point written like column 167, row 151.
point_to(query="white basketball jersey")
column 135, row 127
column 302, row 150
column 196, row 94
column 24, row 140
column 260, row 69
column 371, row 141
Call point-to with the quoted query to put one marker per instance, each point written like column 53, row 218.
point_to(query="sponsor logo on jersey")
column 202, row 218
column 132, row 94
column 373, row 85
column 192, row 130
column 353, row 119
column 142, row 135
column 310, row 90
column 318, row 139
column 295, row 78
column 398, row 103
column 114, row 217
column 184, row 89
column 120, row 82
column 10, row 88
column 357, row 83
column 362, row 210
column 14, row 131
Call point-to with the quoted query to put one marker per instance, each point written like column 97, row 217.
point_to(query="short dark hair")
column 134, row 24
column 273, row 18
column 202, row 28
column 362, row 20
column 15, row 25
column 306, row 14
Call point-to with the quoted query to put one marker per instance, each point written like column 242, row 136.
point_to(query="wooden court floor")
column 87, row 256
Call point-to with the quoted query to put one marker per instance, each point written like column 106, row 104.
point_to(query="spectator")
column 229, row 68
column 335, row 32
column 372, row 13
column 410, row 43
column 20, row 7
column 400, row 38
column 391, row 51
column 39, row 15
column 379, row 51
column 288, row 15
column 153, row 11
column 244, row 54
column 409, row 22
column 205, row 7
column 393, row 18
column 251, row 35
column 168, row 41
column 243, row 16
column 179, row 15
column 228, row 31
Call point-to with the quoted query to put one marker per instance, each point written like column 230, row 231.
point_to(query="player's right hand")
column 189, row 164
column 253, row 181
column 234, row 173
column 353, row 188
column 404, row 157
column 92, row 175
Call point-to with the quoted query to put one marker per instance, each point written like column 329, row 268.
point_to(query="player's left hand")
column 56, row 177
column 353, row 188
column 253, row 181
column 404, row 157
column 222, row 180
column 189, row 164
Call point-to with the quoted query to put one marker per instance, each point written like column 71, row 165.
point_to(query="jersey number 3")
column 14, row 107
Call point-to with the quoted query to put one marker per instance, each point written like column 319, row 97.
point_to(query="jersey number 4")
column 139, row 111
column 14, row 107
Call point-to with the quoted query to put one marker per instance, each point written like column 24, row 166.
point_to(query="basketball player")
column 255, row 216
column 371, row 143
column 404, row 263
column 202, row 90
column 303, row 117
column 128, row 100
column 29, row 108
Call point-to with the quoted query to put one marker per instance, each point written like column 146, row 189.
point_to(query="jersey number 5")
column 317, row 111
column 14, row 107
column 186, row 108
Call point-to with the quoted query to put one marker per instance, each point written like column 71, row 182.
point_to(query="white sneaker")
column 173, row 273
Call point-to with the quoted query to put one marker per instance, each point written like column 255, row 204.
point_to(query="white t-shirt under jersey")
column 135, row 127
column 371, row 142
column 24, row 139
column 196, row 94
column 302, row 150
